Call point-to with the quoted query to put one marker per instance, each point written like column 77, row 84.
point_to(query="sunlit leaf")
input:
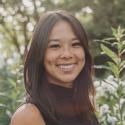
column 114, row 68
column 123, row 107
column 110, row 53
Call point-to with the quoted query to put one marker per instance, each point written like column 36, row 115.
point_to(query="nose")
column 66, row 53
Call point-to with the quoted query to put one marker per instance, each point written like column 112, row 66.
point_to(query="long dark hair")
column 34, row 73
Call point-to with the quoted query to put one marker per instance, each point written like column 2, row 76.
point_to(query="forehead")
column 62, row 28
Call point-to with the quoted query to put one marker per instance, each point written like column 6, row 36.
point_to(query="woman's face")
column 64, row 57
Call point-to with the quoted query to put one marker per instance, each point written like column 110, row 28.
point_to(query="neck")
column 67, row 85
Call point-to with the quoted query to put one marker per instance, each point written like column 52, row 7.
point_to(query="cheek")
column 46, row 59
column 81, row 55
column 49, row 58
column 48, row 63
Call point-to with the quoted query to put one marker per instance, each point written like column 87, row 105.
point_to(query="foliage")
column 18, row 18
column 11, row 89
column 111, row 90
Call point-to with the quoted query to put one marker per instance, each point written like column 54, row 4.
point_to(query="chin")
column 67, row 80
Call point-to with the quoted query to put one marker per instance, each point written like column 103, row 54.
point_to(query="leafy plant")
column 111, row 101
column 11, row 90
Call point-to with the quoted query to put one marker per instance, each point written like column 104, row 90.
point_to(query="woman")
column 58, row 75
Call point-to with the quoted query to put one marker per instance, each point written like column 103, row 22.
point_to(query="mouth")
column 66, row 67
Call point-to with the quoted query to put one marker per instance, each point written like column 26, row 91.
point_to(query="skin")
column 27, row 114
column 64, row 56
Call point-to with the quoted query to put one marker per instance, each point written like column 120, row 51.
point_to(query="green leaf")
column 120, row 47
column 123, row 107
column 122, row 51
column 114, row 31
column 110, row 53
column 101, row 67
column 122, row 65
column 2, row 106
column 12, row 82
column 114, row 68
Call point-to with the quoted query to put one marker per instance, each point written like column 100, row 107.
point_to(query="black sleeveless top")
column 65, row 108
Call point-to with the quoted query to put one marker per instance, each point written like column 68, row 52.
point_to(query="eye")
column 54, row 46
column 76, row 44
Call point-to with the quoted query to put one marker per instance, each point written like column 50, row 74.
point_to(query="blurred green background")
column 17, row 21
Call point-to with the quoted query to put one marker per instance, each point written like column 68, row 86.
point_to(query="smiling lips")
column 66, row 67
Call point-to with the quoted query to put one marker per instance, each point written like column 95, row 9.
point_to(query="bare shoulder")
column 27, row 114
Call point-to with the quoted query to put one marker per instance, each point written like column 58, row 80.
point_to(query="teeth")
column 68, row 67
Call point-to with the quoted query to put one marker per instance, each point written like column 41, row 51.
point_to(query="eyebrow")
column 56, row 39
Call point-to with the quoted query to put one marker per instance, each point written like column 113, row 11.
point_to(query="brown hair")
column 34, row 74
